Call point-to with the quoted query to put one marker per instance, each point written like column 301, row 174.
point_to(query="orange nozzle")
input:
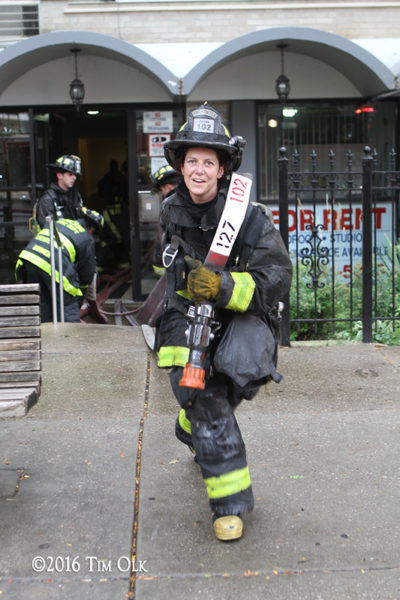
column 193, row 377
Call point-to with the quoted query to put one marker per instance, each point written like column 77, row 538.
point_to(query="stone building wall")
column 140, row 22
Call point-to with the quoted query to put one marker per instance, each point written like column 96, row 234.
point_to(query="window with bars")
column 18, row 20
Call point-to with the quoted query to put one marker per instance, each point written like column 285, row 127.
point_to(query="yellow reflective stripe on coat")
column 184, row 293
column 243, row 290
column 41, row 250
column 173, row 356
column 159, row 271
column 46, row 267
column 68, row 245
column 44, row 236
column 36, row 260
column 228, row 484
column 184, row 422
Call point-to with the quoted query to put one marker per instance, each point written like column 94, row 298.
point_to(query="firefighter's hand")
column 202, row 283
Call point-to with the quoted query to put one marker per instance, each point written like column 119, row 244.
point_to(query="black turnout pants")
column 215, row 436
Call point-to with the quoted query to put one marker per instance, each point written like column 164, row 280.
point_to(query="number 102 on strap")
column 232, row 217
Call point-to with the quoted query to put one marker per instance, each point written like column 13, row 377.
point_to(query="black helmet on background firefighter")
column 214, row 362
column 165, row 175
column 68, row 162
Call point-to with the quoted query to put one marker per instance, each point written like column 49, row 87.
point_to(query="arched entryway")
column 129, row 97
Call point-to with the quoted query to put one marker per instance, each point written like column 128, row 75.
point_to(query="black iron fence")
column 341, row 228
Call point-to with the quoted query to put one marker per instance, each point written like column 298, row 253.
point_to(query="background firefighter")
column 62, row 200
column 78, row 261
column 256, row 276
column 165, row 180
column 113, row 250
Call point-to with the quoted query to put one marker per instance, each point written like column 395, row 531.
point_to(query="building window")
column 321, row 127
column 18, row 20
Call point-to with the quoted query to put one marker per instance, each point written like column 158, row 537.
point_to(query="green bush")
column 341, row 298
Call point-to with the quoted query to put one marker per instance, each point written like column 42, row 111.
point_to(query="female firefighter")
column 256, row 276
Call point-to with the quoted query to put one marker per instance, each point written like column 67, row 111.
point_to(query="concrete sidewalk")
column 93, row 475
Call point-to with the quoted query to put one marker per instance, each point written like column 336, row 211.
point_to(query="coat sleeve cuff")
column 237, row 291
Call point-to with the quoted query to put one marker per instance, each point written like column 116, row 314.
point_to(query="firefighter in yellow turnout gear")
column 256, row 276
column 78, row 261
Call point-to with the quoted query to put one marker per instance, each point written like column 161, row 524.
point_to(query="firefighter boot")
column 227, row 528
column 97, row 312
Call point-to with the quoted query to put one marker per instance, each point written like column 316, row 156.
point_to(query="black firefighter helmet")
column 204, row 128
column 67, row 162
column 165, row 174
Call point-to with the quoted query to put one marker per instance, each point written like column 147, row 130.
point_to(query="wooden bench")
column 20, row 348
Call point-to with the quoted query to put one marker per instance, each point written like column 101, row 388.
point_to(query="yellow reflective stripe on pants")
column 184, row 422
column 242, row 292
column 228, row 484
column 46, row 267
column 173, row 356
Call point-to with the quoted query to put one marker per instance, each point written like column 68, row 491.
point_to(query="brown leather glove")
column 202, row 283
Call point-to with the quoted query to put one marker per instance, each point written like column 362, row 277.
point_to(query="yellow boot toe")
column 228, row 528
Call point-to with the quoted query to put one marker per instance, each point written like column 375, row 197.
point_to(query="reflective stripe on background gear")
column 208, row 424
column 34, row 258
column 33, row 274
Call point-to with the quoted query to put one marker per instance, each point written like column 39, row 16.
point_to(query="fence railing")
column 342, row 229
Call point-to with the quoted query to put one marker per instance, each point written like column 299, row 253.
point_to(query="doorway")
column 101, row 136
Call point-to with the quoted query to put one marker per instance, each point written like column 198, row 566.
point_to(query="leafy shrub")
column 340, row 299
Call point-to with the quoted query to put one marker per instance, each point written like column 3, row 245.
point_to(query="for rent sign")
column 340, row 230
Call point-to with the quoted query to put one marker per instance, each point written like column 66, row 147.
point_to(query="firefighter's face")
column 201, row 171
column 66, row 180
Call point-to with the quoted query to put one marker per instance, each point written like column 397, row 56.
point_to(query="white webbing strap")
column 231, row 220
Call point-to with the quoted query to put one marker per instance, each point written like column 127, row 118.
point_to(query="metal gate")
column 341, row 228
